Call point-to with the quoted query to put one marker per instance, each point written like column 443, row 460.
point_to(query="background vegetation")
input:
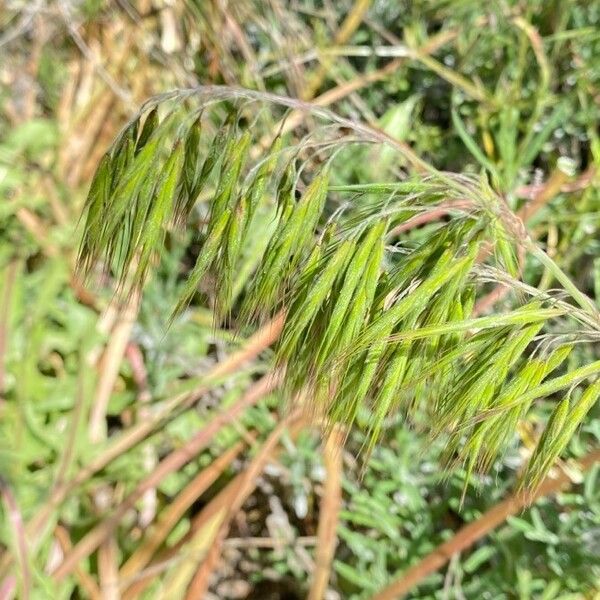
column 144, row 461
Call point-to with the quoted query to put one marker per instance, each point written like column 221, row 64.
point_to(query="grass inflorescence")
column 372, row 327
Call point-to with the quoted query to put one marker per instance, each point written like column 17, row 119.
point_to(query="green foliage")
column 510, row 91
column 399, row 505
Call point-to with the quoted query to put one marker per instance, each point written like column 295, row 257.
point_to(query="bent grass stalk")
column 347, row 303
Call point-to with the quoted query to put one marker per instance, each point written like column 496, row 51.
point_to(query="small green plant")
column 373, row 326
